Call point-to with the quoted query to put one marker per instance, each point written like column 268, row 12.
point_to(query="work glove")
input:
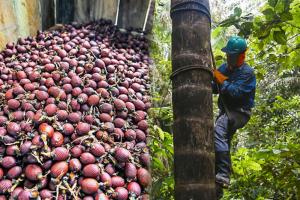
column 219, row 77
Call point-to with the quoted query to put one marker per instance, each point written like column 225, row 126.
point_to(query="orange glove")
column 219, row 77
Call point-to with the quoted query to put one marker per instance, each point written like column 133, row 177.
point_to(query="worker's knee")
column 221, row 134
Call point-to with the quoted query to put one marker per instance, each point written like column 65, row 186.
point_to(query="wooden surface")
column 194, row 158
column 133, row 12
column 18, row 18
column 21, row 18
column 88, row 10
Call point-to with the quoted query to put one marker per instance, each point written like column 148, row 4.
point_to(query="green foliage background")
column 265, row 153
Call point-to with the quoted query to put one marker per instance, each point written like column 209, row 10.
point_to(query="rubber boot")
column 219, row 191
column 223, row 168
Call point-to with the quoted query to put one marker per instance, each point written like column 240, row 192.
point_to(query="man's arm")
column 221, row 69
column 244, row 84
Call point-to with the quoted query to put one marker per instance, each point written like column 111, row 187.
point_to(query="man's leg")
column 222, row 152
column 219, row 191
column 224, row 131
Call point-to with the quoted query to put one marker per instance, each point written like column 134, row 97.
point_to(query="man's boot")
column 219, row 191
column 223, row 168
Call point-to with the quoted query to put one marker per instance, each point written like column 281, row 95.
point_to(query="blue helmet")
column 235, row 45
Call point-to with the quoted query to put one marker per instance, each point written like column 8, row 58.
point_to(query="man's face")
column 232, row 60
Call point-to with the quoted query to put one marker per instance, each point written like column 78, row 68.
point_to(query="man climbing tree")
column 235, row 83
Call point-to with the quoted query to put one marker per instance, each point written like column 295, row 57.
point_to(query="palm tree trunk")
column 194, row 157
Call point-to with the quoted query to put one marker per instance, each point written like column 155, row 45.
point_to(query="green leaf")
column 254, row 166
column 280, row 37
column 237, row 11
column 268, row 12
column 286, row 16
column 276, row 151
column 280, row 6
column 296, row 171
column 161, row 134
column 158, row 163
column 246, row 29
column 263, row 33
column 228, row 22
column 272, row 2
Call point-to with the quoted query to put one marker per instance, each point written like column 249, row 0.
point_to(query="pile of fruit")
column 73, row 114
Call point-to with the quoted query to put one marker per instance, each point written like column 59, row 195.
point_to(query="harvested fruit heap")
column 73, row 115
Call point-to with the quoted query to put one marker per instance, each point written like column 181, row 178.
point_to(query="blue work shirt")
column 238, row 91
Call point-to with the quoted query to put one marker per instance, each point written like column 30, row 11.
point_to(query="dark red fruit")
column 139, row 105
column 110, row 169
column 117, row 181
column 89, row 119
column 1, row 173
column 140, row 115
column 99, row 63
column 51, row 110
column 46, row 194
column 93, row 100
column 134, row 188
column 121, row 193
column 82, row 98
column 119, row 104
column 76, row 81
column 25, row 147
column 59, row 169
column 27, row 194
column 143, row 125
column 33, row 172
column 12, row 150
column 91, row 171
column 57, row 139
column 14, row 172
column 42, row 95
column 89, row 186
column 62, row 115
column 13, row 128
column 47, row 164
column 60, row 153
column 13, row 104
column 87, row 158
column 106, row 179
column 122, row 155
column 83, row 128
column 119, row 122
column 68, row 129
column 46, row 129
column 75, row 165
column 8, row 162
column 76, row 151
column 140, row 135
column 130, row 135
column 5, row 186
column 130, row 171
column 144, row 177
column 74, row 117
column 101, row 196
column 104, row 117
column 97, row 149
column 16, row 192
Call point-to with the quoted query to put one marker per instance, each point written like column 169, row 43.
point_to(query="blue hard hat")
column 235, row 45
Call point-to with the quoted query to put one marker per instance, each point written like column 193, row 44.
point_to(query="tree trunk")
column 194, row 156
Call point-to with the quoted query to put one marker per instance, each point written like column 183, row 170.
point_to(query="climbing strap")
column 191, row 67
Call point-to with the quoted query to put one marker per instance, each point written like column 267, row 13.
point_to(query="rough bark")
column 192, row 106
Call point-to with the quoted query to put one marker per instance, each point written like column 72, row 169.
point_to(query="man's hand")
column 219, row 77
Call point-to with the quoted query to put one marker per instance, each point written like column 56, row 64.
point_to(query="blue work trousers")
column 226, row 126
